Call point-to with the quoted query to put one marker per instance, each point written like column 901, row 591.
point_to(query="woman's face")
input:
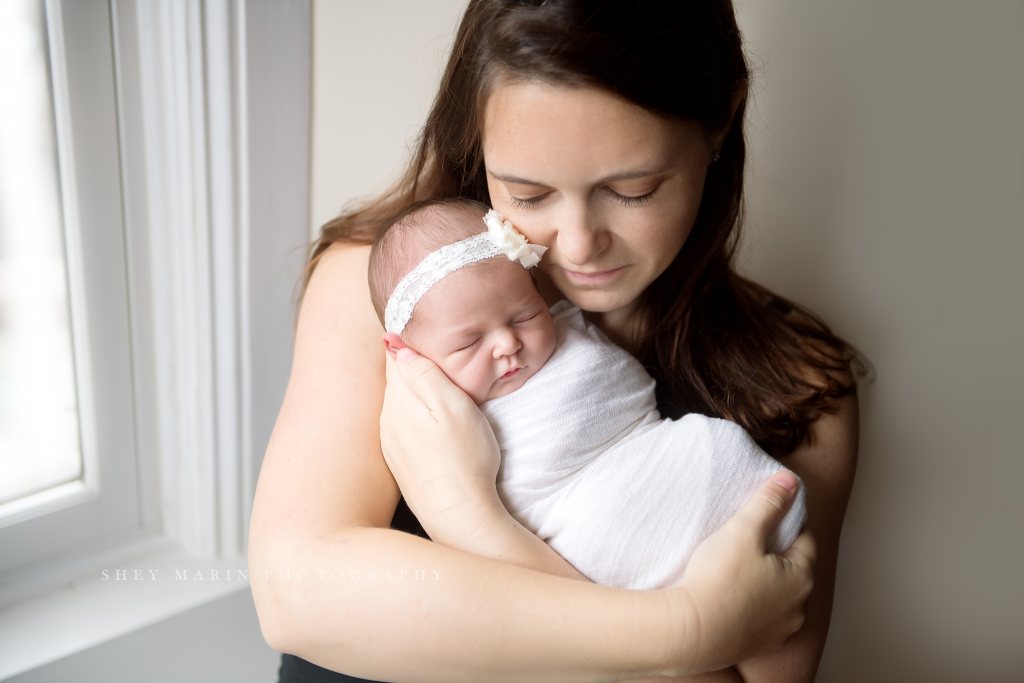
column 611, row 189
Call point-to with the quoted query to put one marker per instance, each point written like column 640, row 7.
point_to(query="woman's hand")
column 737, row 601
column 440, row 449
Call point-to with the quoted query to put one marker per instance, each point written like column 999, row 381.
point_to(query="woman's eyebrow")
column 512, row 179
column 625, row 175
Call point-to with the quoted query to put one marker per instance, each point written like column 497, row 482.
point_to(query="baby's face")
column 486, row 327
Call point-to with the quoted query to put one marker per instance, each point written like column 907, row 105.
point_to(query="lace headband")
column 500, row 238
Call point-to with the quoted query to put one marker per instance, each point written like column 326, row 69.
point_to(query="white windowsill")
column 94, row 610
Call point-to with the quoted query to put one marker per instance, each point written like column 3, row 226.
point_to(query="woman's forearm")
column 385, row 605
column 502, row 538
column 498, row 536
column 332, row 585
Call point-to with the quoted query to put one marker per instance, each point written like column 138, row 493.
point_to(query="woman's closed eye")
column 633, row 200
column 528, row 202
column 624, row 199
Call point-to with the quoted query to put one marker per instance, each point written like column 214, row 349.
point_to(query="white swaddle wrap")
column 589, row 466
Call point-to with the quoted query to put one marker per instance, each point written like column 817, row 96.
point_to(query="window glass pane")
column 39, row 433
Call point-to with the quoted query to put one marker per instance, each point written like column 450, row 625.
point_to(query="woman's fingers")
column 804, row 552
column 748, row 601
column 438, row 445
column 424, row 379
column 768, row 506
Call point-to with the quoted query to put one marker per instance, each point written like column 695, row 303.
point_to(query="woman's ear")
column 739, row 95
column 393, row 343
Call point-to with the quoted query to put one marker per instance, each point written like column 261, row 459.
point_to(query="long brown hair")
column 716, row 343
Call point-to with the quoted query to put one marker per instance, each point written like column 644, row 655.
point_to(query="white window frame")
column 103, row 506
column 189, row 190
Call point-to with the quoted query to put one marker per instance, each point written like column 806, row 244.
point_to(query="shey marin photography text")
column 272, row 575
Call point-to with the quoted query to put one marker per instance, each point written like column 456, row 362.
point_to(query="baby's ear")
column 393, row 343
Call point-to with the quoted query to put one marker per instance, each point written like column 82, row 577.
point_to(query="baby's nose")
column 506, row 344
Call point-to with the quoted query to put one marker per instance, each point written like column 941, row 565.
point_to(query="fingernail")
column 405, row 355
column 786, row 480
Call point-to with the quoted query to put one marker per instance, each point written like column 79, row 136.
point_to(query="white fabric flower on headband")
column 500, row 238
column 511, row 241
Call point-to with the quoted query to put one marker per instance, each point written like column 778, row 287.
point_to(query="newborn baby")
column 587, row 463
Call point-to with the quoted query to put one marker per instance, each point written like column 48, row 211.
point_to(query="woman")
column 611, row 132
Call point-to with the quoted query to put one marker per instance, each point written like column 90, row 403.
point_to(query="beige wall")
column 375, row 71
column 886, row 193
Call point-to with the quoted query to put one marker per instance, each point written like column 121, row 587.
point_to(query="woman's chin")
column 598, row 300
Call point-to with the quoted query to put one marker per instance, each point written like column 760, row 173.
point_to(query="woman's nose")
column 579, row 239
column 506, row 344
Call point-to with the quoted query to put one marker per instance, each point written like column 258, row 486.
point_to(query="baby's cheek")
column 546, row 344
column 474, row 379
column 456, row 372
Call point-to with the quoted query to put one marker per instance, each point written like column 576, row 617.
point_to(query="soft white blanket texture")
column 589, row 466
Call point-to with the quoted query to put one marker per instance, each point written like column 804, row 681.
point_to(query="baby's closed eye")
column 465, row 347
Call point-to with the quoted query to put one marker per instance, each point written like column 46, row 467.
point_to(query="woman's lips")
column 596, row 278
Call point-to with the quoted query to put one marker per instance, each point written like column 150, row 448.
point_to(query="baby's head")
column 484, row 323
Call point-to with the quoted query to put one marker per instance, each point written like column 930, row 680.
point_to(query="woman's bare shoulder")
column 829, row 455
column 323, row 467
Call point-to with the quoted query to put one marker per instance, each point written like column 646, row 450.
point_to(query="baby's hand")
column 440, row 448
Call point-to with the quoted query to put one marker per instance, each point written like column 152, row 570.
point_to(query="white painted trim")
column 248, row 481
column 44, row 502
column 189, row 79
column 73, row 245
column 184, row 401
column 227, row 287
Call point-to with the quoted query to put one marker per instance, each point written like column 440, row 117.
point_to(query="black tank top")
column 297, row 670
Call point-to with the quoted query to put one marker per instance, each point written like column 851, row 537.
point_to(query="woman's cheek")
column 530, row 222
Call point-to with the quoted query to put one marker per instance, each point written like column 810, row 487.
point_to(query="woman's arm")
column 442, row 479
column 334, row 585
column 827, row 465
column 324, row 501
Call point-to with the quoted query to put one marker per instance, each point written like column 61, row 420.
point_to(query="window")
column 181, row 164
column 40, row 446
column 64, row 256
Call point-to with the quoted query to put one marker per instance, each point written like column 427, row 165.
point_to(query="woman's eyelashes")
column 625, row 200
column 638, row 200
column 527, row 203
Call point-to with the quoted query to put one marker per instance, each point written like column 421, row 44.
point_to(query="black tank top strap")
column 297, row 670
